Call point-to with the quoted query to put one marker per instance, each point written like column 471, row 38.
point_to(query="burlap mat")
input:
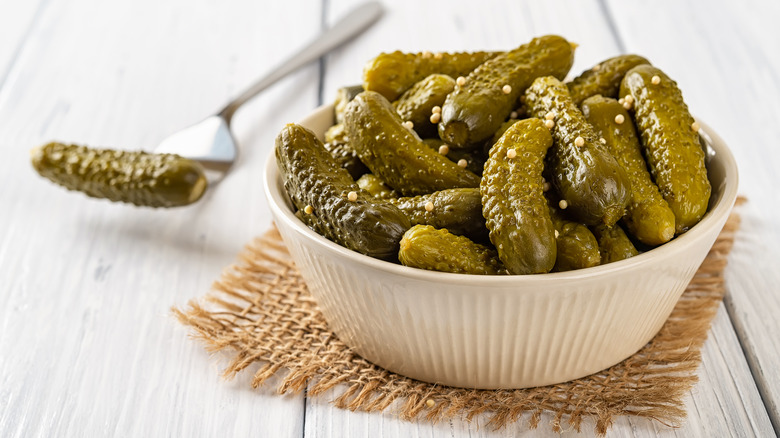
column 261, row 311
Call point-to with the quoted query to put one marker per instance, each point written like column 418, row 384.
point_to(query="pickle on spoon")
column 140, row 178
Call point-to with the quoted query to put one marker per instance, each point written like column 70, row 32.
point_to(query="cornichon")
column 671, row 141
column 344, row 95
column 457, row 210
column 375, row 186
column 478, row 106
column 577, row 247
column 604, row 78
column 648, row 217
column 390, row 74
column 337, row 143
column 416, row 104
column 513, row 199
column 426, row 247
column 473, row 159
column 330, row 199
column 140, row 178
column 395, row 153
column 614, row 244
column 587, row 177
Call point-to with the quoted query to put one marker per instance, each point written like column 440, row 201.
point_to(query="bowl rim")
column 715, row 217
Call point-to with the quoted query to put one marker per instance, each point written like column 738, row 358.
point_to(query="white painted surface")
column 87, row 345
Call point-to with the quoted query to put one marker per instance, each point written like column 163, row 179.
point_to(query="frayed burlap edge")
column 261, row 311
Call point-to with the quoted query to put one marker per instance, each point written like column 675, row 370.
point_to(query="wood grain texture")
column 87, row 342
column 724, row 58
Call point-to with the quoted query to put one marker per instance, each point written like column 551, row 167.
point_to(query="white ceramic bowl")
column 499, row 331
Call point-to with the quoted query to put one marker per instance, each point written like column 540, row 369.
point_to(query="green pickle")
column 614, row 244
column 457, row 210
column 140, row 178
column 426, row 247
column 390, row 74
column 475, row 160
column 344, row 96
column 648, row 217
column 375, row 186
column 475, row 110
column 577, row 247
column 514, row 205
column 671, row 142
column 395, row 153
column 604, row 78
column 322, row 189
column 417, row 103
column 337, row 143
column 584, row 173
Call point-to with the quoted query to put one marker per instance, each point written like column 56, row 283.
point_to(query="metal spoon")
column 211, row 143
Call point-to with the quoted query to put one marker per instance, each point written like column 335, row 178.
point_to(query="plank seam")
column 753, row 366
column 612, row 25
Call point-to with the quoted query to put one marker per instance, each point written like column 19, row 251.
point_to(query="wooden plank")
column 87, row 342
column 16, row 24
column 726, row 401
column 724, row 56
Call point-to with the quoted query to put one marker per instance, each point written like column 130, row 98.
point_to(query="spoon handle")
column 349, row 26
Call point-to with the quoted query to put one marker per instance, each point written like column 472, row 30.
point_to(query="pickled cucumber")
column 395, row 153
column 457, row 210
column 390, row 74
column 604, row 78
column 332, row 201
column 648, row 217
column 473, row 159
column 671, row 142
column 140, row 178
column 513, row 201
column 337, row 143
column 417, row 103
column 476, row 109
column 375, row 186
column 614, row 244
column 344, row 95
column 584, row 173
column 426, row 247
column 576, row 245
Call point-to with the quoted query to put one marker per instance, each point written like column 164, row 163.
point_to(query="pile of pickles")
column 488, row 163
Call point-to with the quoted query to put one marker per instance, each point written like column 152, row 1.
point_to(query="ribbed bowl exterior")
column 498, row 331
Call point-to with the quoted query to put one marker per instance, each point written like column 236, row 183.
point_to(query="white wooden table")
column 87, row 344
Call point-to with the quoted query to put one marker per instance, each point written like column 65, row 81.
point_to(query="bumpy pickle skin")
column 344, row 95
column 316, row 184
column 140, row 178
column 390, row 74
column 648, row 216
column 375, row 187
column 457, row 210
column 614, row 244
column 395, row 153
column 475, row 110
column 671, row 143
column 513, row 199
column 584, row 173
column 416, row 104
column 604, row 78
column 337, row 143
column 577, row 247
column 426, row 247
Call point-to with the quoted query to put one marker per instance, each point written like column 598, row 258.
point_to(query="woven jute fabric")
column 260, row 311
